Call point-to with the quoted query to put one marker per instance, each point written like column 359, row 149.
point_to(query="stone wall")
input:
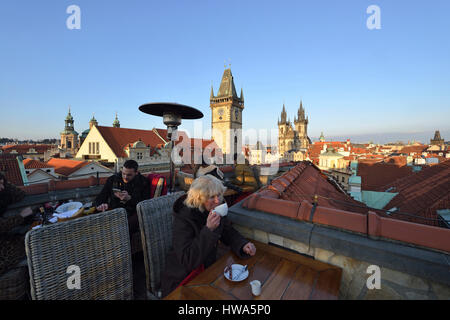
column 395, row 285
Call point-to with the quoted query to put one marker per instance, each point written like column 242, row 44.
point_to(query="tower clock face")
column 220, row 112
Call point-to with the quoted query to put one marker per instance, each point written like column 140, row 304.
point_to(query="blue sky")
column 352, row 80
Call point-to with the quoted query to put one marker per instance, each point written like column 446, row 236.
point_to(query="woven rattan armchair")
column 98, row 244
column 155, row 222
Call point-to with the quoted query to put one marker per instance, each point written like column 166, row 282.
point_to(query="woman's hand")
column 249, row 249
column 103, row 207
column 213, row 221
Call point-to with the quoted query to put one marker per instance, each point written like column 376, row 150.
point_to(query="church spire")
column 283, row 119
column 69, row 122
column 301, row 112
column 116, row 123
column 227, row 87
column 69, row 115
column 212, row 92
column 93, row 122
column 242, row 95
column 322, row 138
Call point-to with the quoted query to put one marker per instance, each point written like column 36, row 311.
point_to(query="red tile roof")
column 9, row 166
column 316, row 148
column 311, row 181
column 119, row 138
column 306, row 180
column 413, row 149
column 422, row 193
column 34, row 164
column 270, row 199
column 24, row 148
column 397, row 160
column 359, row 151
column 66, row 167
column 376, row 175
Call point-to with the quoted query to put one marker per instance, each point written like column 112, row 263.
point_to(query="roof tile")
column 9, row 166
column 422, row 193
column 34, row 164
column 66, row 167
column 374, row 176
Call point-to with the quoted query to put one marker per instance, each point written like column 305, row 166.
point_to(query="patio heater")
column 172, row 113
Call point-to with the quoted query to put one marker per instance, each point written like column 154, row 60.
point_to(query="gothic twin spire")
column 300, row 115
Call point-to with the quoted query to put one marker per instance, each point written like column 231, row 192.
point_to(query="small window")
column 48, row 170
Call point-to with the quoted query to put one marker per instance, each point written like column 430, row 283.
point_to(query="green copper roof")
column 69, row 132
column 85, row 133
column 377, row 200
column 356, row 195
column 331, row 153
column 354, row 180
column 354, row 166
column 116, row 123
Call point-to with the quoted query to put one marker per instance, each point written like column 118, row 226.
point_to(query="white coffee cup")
column 256, row 287
column 221, row 210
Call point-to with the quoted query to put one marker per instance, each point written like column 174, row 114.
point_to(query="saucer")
column 237, row 273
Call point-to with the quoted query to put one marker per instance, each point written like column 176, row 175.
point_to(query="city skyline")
column 352, row 80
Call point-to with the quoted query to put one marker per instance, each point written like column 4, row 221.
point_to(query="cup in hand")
column 221, row 210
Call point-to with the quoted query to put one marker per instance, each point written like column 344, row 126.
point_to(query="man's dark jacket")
column 193, row 244
column 138, row 189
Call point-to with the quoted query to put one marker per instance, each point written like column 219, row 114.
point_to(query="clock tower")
column 226, row 116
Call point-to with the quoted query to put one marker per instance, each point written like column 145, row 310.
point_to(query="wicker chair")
column 155, row 222
column 136, row 242
column 98, row 244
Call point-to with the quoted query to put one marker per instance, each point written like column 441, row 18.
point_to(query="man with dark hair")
column 125, row 190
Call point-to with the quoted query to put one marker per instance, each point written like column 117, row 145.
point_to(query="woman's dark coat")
column 194, row 244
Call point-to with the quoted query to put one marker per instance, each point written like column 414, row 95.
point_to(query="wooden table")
column 284, row 275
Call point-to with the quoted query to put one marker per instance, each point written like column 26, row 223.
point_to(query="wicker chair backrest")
column 155, row 222
column 91, row 252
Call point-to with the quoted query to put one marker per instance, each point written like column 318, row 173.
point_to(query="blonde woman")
column 196, row 232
